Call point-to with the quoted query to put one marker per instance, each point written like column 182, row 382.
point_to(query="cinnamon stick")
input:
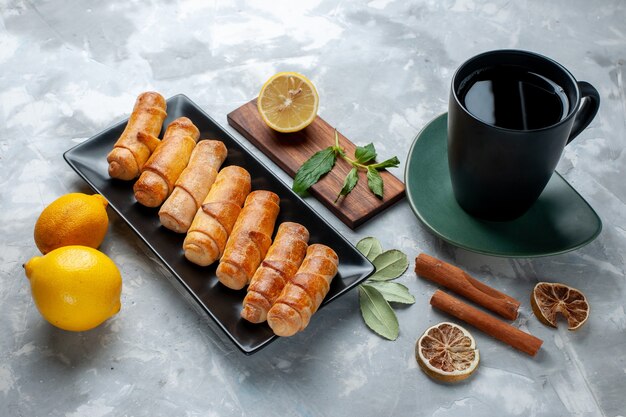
column 459, row 281
column 498, row 329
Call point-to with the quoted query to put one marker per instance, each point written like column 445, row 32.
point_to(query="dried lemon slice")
column 447, row 352
column 288, row 102
column 548, row 299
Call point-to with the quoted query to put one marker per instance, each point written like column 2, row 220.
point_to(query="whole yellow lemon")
column 72, row 219
column 75, row 288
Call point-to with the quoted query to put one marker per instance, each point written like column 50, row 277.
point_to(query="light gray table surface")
column 69, row 69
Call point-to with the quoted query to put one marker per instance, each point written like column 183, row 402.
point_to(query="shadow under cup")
column 498, row 168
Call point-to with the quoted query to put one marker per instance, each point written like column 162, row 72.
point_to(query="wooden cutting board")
column 291, row 150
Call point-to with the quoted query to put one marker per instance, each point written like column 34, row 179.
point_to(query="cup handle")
column 587, row 110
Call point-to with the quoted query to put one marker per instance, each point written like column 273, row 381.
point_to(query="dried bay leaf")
column 389, row 265
column 393, row 292
column 370, row 247
column 377, row 313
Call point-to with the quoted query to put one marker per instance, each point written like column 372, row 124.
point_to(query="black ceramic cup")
column 499, row 168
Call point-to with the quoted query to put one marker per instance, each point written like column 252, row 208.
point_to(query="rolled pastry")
column 139, row 138
column 193, row 185
column 280, row 264
column 250, row 239
column 213, row 223
column 167, row 162
column 302, row 296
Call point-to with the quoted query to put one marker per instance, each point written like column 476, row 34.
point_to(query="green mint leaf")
column 370, row 247
column 349, row 183
column 393, row 292
column 375, row 181
column 389, row 163
column 365, row 153
column 377, row 313
column 310, row 172
column 389, row 265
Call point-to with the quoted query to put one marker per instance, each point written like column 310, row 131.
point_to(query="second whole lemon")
column 75, row 288
column 72, row 219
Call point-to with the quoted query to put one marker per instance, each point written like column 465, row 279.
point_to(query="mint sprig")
column 378, row 292
column 349, row 183
column 322, row 162
column 375, row 182
column 312, row 170
column 364, row 154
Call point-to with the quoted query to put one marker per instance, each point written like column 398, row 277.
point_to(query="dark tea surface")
column 513, row 98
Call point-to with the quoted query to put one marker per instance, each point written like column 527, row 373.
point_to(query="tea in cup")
column 511, row 114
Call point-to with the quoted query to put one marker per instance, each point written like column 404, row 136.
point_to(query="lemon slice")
column 447, row 352
column 549, row 298
column 288, row 102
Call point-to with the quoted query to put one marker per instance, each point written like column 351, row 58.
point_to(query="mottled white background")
column 69, row 69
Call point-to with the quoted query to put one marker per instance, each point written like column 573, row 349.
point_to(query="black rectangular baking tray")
column 221, row 304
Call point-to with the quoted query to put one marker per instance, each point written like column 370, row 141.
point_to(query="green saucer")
column 560, row 221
